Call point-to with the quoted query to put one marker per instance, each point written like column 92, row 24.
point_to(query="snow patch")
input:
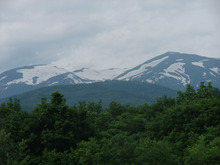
column 154, row 63
column 198, row 63
column 142, row 69
column 216, row 70
column 161, row 77
column 177, row 71
column 54, row 83
column 176, row 67
column 42, row 72
column 3, row 78
column 150, row 81
column 212, row 74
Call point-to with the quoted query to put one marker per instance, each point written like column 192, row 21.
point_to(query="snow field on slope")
column 142, row 69
column 216, row 70
column 41, row 73
column 177, row 68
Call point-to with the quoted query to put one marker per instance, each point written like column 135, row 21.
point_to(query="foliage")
column 125, row 92
column 181, row 130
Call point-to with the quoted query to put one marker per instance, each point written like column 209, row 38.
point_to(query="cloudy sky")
column 105, row 33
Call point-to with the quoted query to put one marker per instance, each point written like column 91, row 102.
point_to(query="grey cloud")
column 103, row 33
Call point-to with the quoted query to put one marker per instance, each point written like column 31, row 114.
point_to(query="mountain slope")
column 176, row 70
column 27, row 78
column 23, row 79
column 125, row 92
column 172, row 69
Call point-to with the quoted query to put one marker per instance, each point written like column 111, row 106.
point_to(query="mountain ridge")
column 176, row 69
column 172, row 69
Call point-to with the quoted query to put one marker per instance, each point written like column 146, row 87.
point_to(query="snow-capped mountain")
column 27, row 78
column 176, row 70
column 31, row 75
column 172, row 69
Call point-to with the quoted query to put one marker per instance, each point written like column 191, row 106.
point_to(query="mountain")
column 125, row 92
column 23, row 79
column 27, row 78
column 172, row 69
column 176, row 70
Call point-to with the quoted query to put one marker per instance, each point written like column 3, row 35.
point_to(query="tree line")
column 181, row 130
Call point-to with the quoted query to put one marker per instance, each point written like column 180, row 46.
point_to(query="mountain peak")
column 171, row 69
column 175, row 70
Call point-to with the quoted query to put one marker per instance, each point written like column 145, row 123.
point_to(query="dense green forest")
column 181, row 130
column 132, row 93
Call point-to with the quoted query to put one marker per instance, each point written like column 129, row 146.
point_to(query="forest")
column 182, row 130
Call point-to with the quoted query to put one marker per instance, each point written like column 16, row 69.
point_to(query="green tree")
column 5, row 146
column 204, row 152
column 88, row 152
column 155, row 153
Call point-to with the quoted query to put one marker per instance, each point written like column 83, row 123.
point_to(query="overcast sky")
column 105, row 33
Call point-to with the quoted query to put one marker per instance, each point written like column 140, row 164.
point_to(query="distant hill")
column 172, row 69
column 125, row 92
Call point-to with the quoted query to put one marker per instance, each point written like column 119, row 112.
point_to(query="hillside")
column 125, row 92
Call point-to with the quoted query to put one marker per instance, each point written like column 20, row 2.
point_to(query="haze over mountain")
column 172, row 69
